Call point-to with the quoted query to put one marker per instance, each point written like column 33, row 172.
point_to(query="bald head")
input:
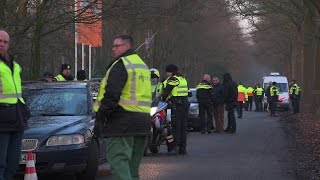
column 4, row 42
column 206, row 77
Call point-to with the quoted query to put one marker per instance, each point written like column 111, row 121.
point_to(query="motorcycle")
column 160, row 126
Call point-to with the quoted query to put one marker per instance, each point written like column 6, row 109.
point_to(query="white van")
column 282, row 83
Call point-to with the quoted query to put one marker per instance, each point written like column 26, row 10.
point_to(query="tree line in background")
column 286, row 35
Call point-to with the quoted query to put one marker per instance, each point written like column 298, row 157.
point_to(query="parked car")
column 193, row 116
column 60, row 131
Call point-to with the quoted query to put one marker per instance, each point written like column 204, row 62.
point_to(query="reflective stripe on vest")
column 10, row 84
column 203, row 86
column 259, row 91
column 182, row 88
column 274, row 91
column 295, row 89
column 60, row 78
column 136, row 94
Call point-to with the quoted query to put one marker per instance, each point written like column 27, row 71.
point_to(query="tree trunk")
column 2, row 12
column 35, row 53
column 309, row 50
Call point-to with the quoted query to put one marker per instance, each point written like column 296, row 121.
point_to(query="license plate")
column 23, row 159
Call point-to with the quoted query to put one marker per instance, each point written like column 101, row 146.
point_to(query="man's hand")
column 99, row 123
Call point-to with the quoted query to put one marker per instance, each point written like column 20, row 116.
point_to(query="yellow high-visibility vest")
column 181, row 87
column 10, row 84
column 136, row 94
column 295, row 89
column 60, row 78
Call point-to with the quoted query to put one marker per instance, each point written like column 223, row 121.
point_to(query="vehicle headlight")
column 64, row 140
column 153, row 111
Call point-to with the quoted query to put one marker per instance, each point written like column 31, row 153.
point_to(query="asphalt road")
column 258, row 151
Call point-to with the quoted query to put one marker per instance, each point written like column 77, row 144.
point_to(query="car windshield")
column 57, row 102
column 282, row 86
column 193, row 99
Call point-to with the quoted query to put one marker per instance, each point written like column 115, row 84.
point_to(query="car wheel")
column 91, row 170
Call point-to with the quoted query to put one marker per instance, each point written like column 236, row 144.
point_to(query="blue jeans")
column 10, row 152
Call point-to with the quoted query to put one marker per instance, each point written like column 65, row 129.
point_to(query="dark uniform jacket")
column 205, row 96
column 120, row 122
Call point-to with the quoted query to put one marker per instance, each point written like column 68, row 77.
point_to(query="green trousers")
column 124, row 155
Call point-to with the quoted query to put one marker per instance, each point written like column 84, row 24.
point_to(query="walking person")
column 242, row 97
column 175, row 92
column 123, row 109
column 267, row 94
column 295, row 94
column 204, row 97
column 218, row 104
column 231, row 101
column 13, row 111
column 274, row 95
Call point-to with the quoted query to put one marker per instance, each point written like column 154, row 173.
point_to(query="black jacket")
column 204, row 96
column 120, row 122
column 230, row 94
column 218, row 94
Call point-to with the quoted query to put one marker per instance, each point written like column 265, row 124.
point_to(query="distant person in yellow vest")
column 274, row 99
column 295, row 94
column 156, row 84
column 242, row 97
column 123, row 109
column 250, row 99
column 258, row 92
column 65, row 73
column 13, row 111
column 176, row 93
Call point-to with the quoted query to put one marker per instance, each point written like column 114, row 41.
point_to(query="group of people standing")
column 214, row 98
column 64, row 75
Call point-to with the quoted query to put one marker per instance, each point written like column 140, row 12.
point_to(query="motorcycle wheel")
column 155, row 144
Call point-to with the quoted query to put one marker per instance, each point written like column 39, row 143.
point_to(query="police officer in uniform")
column 123, row 109
column 295, row 93
column 175, row 92
column 259, row 98
column 274, row 95
column 205, row 97
column 250, row 99
column 65, row 73
column 156, row 84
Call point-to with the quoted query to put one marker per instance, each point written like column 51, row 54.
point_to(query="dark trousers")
column 232, row 125
column 10, row 152
column 179, row 126
column 260, row 108
column 273, row 107
column 240, row 107
column 205, row 113
column 258, row 103
column 250, row 100
column 295, row 105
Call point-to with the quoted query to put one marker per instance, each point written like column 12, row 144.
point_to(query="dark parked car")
column 193, row 117
column 60, row 132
